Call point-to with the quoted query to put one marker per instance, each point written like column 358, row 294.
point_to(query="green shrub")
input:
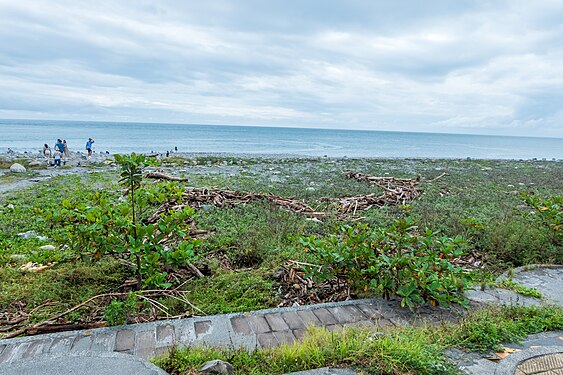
column 105, row 225
column 548, row 211
column 396, row 260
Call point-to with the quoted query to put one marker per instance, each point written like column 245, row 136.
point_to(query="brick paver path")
column 265, row 328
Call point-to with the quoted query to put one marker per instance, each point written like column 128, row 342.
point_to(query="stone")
column 217, row 367
column 31, row 234
column 48, row 247
column 17, row 168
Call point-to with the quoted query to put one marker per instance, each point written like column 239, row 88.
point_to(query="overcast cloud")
column 488, row 67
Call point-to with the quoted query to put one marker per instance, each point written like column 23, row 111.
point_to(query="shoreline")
column 100, row 157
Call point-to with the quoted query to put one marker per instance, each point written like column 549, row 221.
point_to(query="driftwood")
column 50, row 324
column 163, row 176
column 398, row 191
column 198, row 197
column 298, row 290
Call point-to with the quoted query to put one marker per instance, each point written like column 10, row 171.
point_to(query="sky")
column 477, row 67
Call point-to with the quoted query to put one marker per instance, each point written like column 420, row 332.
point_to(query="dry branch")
column 163, row 176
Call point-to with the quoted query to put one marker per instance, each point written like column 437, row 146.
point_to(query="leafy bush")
column 548, row 211
column 116, row 227
column 396, row 260
column 116, row 312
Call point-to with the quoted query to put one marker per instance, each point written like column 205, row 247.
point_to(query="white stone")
column 17, row 168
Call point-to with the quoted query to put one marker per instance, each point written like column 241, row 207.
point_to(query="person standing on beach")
column 59, row 146
column 58, row 156
column 89, row 146
column 47, row 151
column 65, row 149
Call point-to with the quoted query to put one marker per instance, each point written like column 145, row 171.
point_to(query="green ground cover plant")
column 478, row 201
column 404, row 350
column 397, row 260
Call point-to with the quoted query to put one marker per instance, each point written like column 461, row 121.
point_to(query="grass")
column 405, row 350
column 476, row 200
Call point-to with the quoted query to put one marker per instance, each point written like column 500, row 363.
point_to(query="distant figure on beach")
column 47, row 151
column 59, row 146
column 65, row 149
column 58, row 156
column 89, row 146
column 176, row 148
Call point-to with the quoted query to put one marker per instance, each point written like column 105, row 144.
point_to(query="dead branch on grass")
column 51, row 325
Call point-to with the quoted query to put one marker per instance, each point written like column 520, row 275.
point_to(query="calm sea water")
column 30, row 135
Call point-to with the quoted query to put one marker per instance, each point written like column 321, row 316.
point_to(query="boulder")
column 48, row 247
column 217, row 367
column 17, row 168
column 37, row 163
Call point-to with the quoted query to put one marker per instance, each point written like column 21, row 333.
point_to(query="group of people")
column 61, row 150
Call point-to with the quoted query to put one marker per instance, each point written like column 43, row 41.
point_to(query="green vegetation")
column 96, row 251
column 403, row 350
column 396, row 260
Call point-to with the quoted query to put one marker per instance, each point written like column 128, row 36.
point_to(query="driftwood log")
column 163, row 176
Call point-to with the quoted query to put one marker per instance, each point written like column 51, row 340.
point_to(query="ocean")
column 118, row 137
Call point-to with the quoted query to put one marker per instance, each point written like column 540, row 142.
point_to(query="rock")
column 18, row 257
column 31, row 234
column 36, row 163
column 17, row 168
column 217, row 367
column 47, row 247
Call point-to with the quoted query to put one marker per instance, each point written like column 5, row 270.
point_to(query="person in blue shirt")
column 59, row 146
column 89, row 146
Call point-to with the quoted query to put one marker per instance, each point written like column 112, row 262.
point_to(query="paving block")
column 61, row 345
column 343, row 314
column 371, row 311
column 7, row 353
column 103, row 342
column 258, row 324
column 267, row 340
column 145, row 344
column 325, row 317
column 308, row 318
column 299, row 333
column 81, row 343
column 276, row 322
column 293, row 320
column 125, row 341
column 285, row 337
column 202, row 327
column 240, row 325
column 19, row 351
column 37, row 347
column 165, row 336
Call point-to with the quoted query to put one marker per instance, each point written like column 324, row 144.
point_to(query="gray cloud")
column 464, row 66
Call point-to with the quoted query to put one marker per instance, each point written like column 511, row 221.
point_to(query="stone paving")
column 259, row 329
column 268, row 328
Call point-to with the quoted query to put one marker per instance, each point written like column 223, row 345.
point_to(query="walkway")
column 267, row 328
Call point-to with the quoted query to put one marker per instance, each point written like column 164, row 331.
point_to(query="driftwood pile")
column 298, row 290
column 398, row 191
column 198, row 197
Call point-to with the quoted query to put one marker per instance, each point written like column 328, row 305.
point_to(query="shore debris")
column 163, row 176
column 200, row 197
column 297, row 290
column 398, row 191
